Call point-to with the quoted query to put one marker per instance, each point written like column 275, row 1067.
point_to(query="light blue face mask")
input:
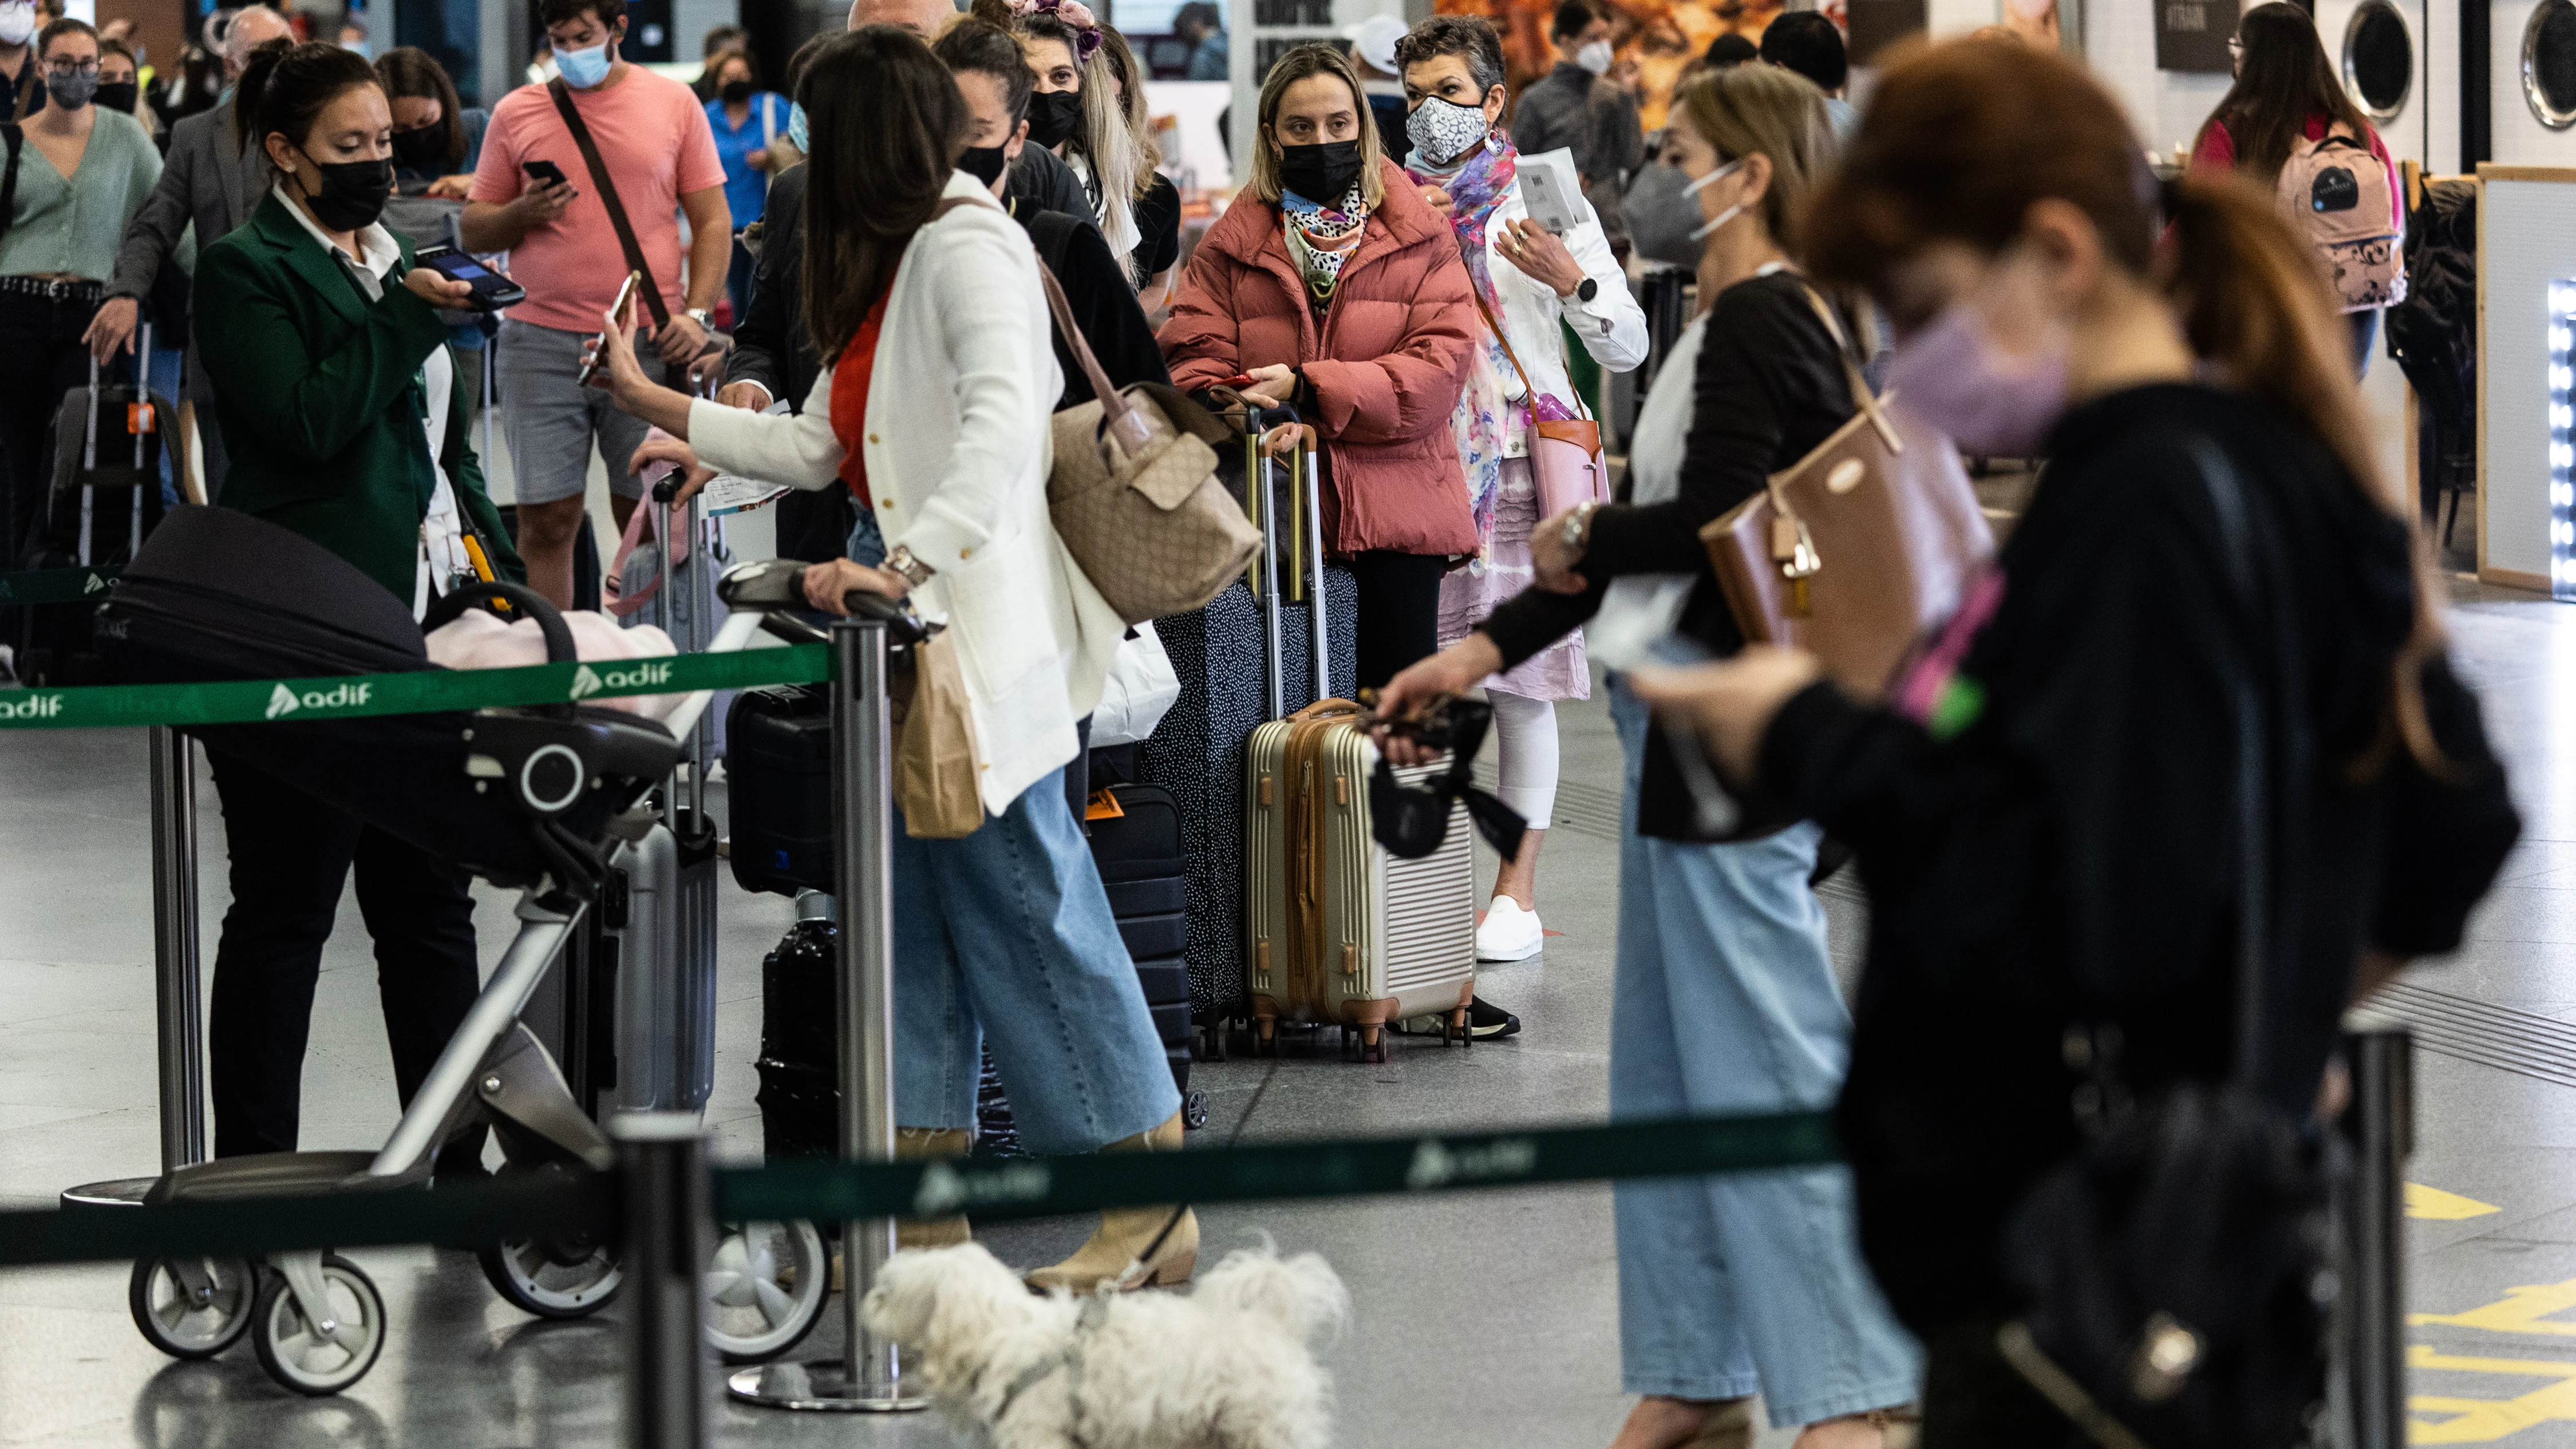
column 796, row 129
column 582, row 69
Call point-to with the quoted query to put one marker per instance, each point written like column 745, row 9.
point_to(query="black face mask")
column 353, row 193
column 120, row 96
column 984, row 163
column 1054, row 116
column 423, row 148
column 1320, row 173
column 736, row 92
column 1411, row 821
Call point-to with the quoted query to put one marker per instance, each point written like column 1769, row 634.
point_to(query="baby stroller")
column 535, row 798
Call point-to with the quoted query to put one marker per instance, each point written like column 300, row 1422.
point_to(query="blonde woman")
column 1076, row 111
column 1157, row 201
column 1725, row 999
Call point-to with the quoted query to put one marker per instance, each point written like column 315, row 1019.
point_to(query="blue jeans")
column 1006, row 935
column 1726, row 1003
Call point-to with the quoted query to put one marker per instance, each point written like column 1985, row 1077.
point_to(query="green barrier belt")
column 350, row 696
column 469, row 1214
column 54, row 586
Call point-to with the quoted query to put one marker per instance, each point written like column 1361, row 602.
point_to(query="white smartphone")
column 1552, row 190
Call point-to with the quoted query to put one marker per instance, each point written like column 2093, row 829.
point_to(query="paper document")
column 1552, row 190
column 726, row 493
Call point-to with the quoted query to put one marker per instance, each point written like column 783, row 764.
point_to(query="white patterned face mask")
column 1442, row 131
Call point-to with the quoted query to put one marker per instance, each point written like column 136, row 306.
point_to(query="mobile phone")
column 543, row 171
column 615, row 317
column 492, row 291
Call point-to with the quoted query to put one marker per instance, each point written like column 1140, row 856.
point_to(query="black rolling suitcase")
column 799, row 1063
column 105, row 496
column 778, row 776
column 1136, row 839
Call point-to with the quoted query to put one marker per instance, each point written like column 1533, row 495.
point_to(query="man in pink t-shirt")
column 653, row 137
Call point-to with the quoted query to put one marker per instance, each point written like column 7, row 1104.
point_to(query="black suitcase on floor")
column 778, row 773
column 1136, row 839
column 104, row 500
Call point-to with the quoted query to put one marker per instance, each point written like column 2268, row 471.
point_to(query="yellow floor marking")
column 2483, row 1421
column 2449, row 1207
column 2523, row 1310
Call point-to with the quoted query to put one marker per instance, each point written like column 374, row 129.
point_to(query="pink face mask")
column 1994, row 405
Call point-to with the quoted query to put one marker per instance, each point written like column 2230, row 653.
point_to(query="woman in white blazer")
column 1529, row 281
column 932, row 408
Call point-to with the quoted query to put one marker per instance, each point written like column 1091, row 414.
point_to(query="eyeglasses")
column 71, row 67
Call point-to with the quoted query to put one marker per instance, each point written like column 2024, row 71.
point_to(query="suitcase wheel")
column 1194, row 1111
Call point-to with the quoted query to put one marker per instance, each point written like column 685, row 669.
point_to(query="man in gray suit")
column 210, row 181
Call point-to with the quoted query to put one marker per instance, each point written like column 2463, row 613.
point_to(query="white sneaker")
column 1509, row 933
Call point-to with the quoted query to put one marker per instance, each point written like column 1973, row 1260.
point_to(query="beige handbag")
column 935, row 771
column 1856, row 550
column 1135, row 495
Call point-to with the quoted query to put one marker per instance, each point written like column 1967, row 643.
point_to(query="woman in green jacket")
column 347, row 424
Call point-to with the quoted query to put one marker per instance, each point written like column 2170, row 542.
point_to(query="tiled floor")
column 1483, row 1319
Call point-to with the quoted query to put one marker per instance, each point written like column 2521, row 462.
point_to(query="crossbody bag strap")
column 2253, row 837
column 16, row 138
column 1862, row 397
column 1529, row 390
column 590, row 158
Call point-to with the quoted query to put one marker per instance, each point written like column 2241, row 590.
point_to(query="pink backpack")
column 2338, row 195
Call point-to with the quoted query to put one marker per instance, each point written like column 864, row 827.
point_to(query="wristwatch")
column 1589, row 290
column 913, row 569
column 1578, row 527
column 703, row 318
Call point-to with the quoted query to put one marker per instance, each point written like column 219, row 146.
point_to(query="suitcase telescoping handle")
column 1256, row 422
column 1320, row 642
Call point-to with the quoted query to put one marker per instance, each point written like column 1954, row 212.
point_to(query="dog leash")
column 1127, row 1276
column 1095, row 1312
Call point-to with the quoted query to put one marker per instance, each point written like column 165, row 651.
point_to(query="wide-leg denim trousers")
column 1005, row 936
column 1726, row 1003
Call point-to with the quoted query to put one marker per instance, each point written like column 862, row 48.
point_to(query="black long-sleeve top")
column 1769, row 388
column 2068, row 855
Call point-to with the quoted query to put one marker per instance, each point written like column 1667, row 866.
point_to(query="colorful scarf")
column 1321, row 238
column 1486, row 422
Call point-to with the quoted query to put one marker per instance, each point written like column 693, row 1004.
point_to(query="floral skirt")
column 1468, row 594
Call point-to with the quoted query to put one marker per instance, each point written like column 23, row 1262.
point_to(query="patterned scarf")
column 1486, row 421
column 1321, row 238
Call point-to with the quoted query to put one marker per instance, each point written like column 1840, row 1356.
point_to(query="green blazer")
column 320, row 398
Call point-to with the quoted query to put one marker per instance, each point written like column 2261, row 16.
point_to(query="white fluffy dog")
column 1225, row 1367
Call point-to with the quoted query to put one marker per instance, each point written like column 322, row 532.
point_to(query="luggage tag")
column 1104, row 806
column 138, row 418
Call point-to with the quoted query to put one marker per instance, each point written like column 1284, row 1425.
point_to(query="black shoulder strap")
column 634, row 250
column 2261, row 951
column 16, row 138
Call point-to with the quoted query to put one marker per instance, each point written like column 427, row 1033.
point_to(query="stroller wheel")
column 553, row 1279
column 765, row 1289
column 320, row 1358
column 192, row 1309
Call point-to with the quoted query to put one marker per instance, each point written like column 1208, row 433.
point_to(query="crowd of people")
column 2044, row 862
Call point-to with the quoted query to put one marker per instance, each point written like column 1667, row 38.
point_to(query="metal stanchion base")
column 820, row 1385
column 117, row 1192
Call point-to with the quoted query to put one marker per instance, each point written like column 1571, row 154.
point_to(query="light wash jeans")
column 1006, row 935
column 1726, row 1003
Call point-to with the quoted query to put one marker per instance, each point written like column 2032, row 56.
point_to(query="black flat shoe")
column 1490, row 1023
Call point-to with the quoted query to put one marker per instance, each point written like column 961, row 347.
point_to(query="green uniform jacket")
column 320, row 398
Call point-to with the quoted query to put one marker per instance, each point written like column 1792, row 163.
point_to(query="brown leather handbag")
column 1856, row 550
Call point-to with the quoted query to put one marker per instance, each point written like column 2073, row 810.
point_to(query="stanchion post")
column 2383, row 1137
column 180, row 1006
column 867, row 1378
column 662, row 1171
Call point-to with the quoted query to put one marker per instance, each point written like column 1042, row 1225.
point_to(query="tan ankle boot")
column 1118, row 1247
column 912, row 1144
column 1729, row 1425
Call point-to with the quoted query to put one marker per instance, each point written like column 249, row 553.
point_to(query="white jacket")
column 958, row 450
column 1611, row 326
